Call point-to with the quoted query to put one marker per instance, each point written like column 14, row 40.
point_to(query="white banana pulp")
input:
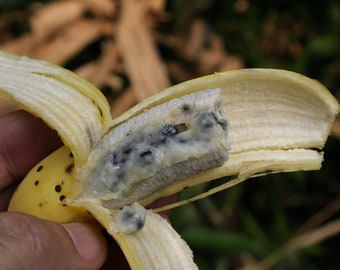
column 167, row 143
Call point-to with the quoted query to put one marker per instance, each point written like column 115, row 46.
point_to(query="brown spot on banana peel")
column 69, row 168
column 39, row 193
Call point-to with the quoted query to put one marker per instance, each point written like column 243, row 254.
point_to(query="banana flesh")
column 167, row 143
column 275, row 121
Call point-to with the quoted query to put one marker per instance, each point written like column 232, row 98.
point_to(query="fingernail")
column 88, row 241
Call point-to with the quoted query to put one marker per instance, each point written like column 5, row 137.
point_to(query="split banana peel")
column 243, row 123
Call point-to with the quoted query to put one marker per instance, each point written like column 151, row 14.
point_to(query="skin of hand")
column 27, row 242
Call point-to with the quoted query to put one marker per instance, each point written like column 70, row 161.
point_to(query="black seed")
column 127, row 149
column 57, row 188
column 36, row 182
column 69, row 168
column 206, row 120
column 145, row 158
column 145, row 153
column 132, row 218
column 118, row 159
column 113, row 158
column 40, row 168
column 71, row 155
column 139, row 224
column 169, row 131
column 127, row 215
column 61, row 198
column 185, row 109
column 223, row 123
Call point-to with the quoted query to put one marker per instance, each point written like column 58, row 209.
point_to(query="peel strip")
column 149, row 247
column 66, row 102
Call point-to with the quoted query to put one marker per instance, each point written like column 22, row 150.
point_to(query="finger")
column 5, row 196
column 116, row 258
column 161, row 202
column 30, row 243
column 24, row 140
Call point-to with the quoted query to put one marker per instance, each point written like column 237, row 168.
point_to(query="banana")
column 46, row 188
column 242, row 123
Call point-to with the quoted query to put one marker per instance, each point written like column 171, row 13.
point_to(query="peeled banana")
column 184, row 136
column 243, row 123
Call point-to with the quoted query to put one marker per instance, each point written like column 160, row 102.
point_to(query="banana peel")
column 279, row 122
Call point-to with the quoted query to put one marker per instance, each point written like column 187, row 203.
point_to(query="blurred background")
column 132, row 49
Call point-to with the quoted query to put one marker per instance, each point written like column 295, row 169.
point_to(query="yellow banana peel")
column 242, row 123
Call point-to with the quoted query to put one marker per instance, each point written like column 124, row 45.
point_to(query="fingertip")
column 27, row 242
column 24, row 140
column 89, row 242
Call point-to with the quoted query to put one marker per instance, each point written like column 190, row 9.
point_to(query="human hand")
column 27, row 242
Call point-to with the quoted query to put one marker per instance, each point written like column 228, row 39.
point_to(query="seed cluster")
column 141, row 152
column 131, row 218
column 191, row 137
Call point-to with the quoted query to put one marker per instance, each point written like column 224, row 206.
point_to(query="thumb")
column 27, row 242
